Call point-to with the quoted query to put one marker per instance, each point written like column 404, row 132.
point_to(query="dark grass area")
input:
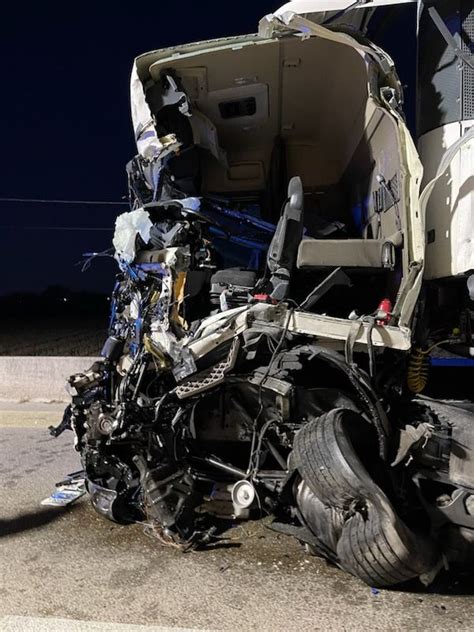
column 55, row 323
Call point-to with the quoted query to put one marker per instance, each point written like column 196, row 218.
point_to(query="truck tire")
column 369, row 540
column 327, row 459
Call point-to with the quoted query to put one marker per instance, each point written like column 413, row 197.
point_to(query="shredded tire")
column 369, row 539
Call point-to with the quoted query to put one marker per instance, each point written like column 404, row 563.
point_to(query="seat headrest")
column 295, row 193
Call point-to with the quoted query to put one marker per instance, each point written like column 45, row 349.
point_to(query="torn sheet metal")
column 65, row 494
column 328, row 6
column 324, row 328
column 148, row 144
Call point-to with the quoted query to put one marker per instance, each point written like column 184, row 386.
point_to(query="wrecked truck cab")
column 254, row 128
column 261, row 324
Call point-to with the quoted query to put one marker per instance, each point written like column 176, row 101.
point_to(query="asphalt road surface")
column 69, row 569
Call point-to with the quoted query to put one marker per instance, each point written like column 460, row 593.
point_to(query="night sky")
column 67, row 132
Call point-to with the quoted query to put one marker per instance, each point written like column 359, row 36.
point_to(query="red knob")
column 384, row 312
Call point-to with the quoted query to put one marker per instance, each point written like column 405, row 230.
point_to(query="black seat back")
column 283, row 250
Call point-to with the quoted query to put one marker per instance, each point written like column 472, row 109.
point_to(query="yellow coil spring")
column 418, row 369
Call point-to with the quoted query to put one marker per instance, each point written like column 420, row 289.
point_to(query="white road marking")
column 49, row 624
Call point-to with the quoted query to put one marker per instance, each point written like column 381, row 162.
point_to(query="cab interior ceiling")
column 294, row 107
